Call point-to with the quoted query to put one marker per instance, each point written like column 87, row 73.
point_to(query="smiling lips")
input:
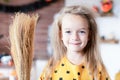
column 75, row 43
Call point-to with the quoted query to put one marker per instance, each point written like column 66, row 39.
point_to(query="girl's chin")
column 75, row 49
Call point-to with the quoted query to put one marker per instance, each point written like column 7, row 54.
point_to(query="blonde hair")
column 91, row 51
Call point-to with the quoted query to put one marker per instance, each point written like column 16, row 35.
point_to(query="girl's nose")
column 75, row 36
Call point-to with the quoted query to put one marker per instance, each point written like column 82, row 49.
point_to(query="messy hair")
column 91, row 51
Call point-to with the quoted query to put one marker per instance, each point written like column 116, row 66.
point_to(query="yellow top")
column 68, row 71
column 117, row 76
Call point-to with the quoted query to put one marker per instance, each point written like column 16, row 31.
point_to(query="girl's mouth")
column 75, row 43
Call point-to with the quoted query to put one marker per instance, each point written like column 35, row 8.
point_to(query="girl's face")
column 74, row 32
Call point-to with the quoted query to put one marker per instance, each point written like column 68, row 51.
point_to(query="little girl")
column 75, row 47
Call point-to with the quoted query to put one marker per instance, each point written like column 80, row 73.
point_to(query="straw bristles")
column 22, row 40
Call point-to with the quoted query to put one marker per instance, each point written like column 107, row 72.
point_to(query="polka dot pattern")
column 50, row 78
column 62, row 64
column 83, row 67
column 74, row 79
column 106, row 78
column 100, row 72
column 67, row 71
column 60, row 78
column 55, row 71
column 78, row 73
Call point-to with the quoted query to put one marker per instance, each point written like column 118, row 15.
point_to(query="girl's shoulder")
column 46, row 68
column 102, row 72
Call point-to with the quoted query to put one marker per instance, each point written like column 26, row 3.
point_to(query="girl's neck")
column 75, row 57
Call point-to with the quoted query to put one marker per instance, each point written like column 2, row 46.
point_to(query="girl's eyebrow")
column 79, row 28
column 84, row 28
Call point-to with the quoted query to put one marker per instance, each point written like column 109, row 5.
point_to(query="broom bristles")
column 22, row 40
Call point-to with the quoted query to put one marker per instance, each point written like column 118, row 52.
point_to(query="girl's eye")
column 82, row 32
column 67, row 31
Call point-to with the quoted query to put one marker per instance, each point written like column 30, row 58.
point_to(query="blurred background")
column 107, row 14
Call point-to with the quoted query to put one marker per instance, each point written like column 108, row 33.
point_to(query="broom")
column 22, row 39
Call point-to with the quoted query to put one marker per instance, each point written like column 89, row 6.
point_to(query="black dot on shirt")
column 62, row 64
column 83, row 67
column 50, row 78
column 67, row 72
column 74, row 79
column 106, row 78
column 60, row 78
column 100, row 72
column 78, row 73
column 55, row 71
